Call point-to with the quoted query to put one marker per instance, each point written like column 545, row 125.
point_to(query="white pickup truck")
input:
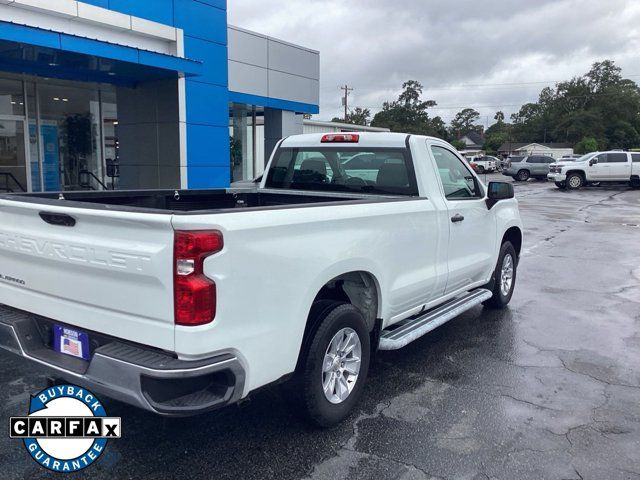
column 182, row 302
column 597, row 168
column 486, row 164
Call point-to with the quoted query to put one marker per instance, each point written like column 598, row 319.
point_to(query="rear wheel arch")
column 358, row 288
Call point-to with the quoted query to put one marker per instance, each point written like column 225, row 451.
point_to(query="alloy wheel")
column 341, row 366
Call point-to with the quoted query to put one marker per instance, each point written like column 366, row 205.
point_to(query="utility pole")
column 345, row 99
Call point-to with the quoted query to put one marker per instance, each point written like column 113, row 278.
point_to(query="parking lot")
column 549, row 388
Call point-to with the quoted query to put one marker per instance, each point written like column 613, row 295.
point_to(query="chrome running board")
column 424, row 323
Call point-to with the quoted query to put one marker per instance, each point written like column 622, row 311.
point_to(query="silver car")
column 533, row 166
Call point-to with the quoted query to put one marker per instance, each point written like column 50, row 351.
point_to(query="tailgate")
column 111, row 272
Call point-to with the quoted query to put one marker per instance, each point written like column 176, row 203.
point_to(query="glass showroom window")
column 241, row 132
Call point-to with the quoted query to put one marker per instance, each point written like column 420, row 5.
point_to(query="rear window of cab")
column 375, row 171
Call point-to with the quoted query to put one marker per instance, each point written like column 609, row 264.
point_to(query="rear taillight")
column 341, row 138
column 194, row 293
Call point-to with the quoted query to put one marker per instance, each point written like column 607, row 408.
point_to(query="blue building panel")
column 98, row 3
column 156, row 10
column 216, row 3
column 29, row 35
column 209, row 177
column 99, row 49
column 276, row 103
column 214, row 57
column 207, row 146
column 201, row 20
column 207, row 104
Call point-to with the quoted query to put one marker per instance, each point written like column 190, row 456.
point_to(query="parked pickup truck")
column 182, row 302
column 486, row 164
column 597, row 167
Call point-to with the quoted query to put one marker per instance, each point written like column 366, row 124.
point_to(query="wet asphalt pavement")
column 549, row 388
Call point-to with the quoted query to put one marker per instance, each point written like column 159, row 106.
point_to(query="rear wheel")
column 334, row 363
column 574, row 181
column 504, row 277
column 523, row 175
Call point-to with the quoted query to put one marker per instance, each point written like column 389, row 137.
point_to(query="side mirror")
column 593, row 161
column 499, row 191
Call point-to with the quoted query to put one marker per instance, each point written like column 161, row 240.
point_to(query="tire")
column 523, row 175
column 574, row 181
column 561, row 185
column 501, row 297
column 331, row 320
column 481, row 169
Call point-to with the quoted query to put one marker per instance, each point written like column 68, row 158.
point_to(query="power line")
column 453, row 107
column 498, row 85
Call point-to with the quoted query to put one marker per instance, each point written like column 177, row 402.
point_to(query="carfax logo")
column 67, row 428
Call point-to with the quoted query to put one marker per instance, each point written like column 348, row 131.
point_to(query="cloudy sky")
column 491, row 54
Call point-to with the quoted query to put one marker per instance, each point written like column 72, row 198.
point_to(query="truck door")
column 600, row 170
column 472, row 237
column 619, row 166
column 635, row 164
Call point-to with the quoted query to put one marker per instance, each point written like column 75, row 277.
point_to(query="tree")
column 464, row 122
column 494, row 141
column 586, row 145
column 357, row 116
column 601, row 105
column 408, row 114
column 458, row 144
column 499, row 117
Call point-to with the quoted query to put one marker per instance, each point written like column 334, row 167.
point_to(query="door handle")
column 58, row 219
column 457, row 218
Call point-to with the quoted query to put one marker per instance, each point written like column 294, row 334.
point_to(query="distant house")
column 473, row 143
column 555, row 150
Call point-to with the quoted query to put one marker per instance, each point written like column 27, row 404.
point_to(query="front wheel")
column 561, row 185
column 523, row 175
column 575, row 181
column 334, row 364
column 504, row 277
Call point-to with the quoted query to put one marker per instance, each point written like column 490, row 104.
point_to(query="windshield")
column 340, row 169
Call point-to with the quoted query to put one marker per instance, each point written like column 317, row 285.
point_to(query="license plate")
column 71, row 342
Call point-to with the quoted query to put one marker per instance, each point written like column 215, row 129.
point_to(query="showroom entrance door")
column 14, row 147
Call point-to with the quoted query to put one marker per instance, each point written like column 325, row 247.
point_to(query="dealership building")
column 126, row 94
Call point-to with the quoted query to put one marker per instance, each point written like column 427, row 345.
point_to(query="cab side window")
column 635, row 157
column 617, row 158
column 456, row 177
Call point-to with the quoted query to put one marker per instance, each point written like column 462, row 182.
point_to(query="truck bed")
column 192, row 201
